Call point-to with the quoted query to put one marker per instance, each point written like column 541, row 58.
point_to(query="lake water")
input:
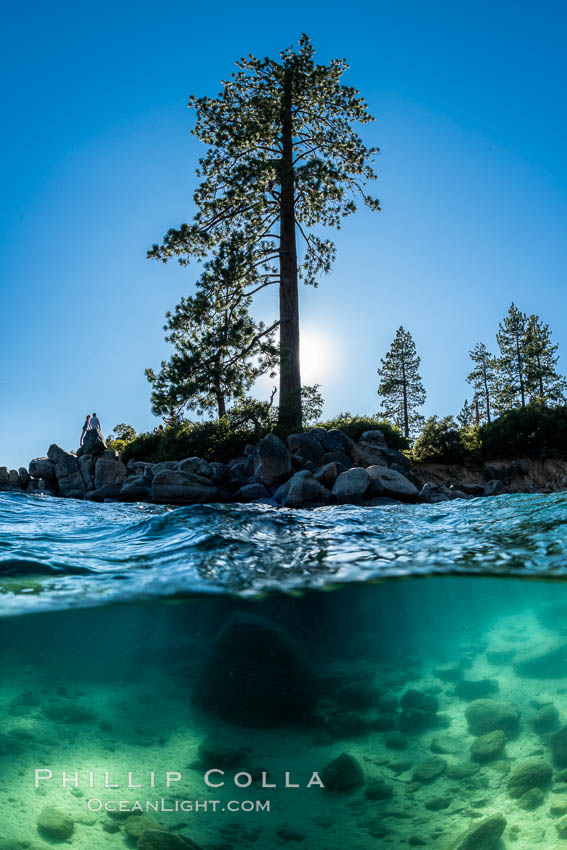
column 411, row 659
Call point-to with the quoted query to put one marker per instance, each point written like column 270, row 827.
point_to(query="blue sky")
column 97, row 162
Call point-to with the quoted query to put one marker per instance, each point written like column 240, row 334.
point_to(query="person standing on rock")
column 95, row 423
column 86, row 427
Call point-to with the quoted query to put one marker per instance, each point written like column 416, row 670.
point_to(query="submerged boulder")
column 256, row 675
column 342, row 774
column 558, row 742
column 488, row 747
column 483, row 835
column 547, row 659
column 531, row 773
column 429, row 769
column 486, row 715
column 55, row 824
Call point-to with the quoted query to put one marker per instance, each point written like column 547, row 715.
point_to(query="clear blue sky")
column 97, row 162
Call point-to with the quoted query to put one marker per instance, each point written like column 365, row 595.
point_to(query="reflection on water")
column 432, row 709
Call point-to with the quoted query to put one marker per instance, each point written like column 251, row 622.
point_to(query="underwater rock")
column 256, row 675
column 437, row 804
column 531, row 773
column 488, row 747
column 561, row 827
column 348, row 724
column 558, row 808
column 378, row 829
column 546, row 719
column 290, row 833
column 486, row 715
column 356, row 695
column 383, row 723
column 429, row 769
column 218, row 753
column 379, row 789
column 462, row 771
column 396, row 740
column 420, row 700
column 136, row 825
column 482, row 836
column 154, row 839
column 545, row 661
column 471, row 689
column 418, row 711
column 531, row 799
column 558, row 742
column 446, row 745
column 55, row 824
column 342, row 774
column 449, row 672
column 387, row 703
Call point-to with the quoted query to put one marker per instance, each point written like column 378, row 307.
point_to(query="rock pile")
column 315, row 468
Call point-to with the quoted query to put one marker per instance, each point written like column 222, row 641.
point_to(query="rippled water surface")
column 58, row 553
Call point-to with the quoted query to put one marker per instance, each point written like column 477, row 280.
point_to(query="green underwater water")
column 113, row 689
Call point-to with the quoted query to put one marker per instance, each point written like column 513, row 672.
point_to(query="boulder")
column 23, row 476
column 545, row 660
column 156, row 839
column 4, row 476
column 531, row 799
column 471, row 689
column 546, row 719
column 394, row 484
column 333, row 440
column 379, row 789
column 182, row 488
column 93, row 443
column 256, row 675
column 531, row 773
column 272, row 463
column 429, row 769
column 305, row 446
column 374, row 439
column 351, row 486
column 42, row 467
column 108, row 471
column 251, row 493
column 558, row 743
column 446, row 745
column 368, row 456
column 488, row 747
column 342, row 774
column 339, row 457
column 55, row 453
column 196, row 465
column 396, row 740
column 482, row 835
column 486, row 715
column 87, row 468
column 69, row 478
column 55, row 824
column 420, row 700
column 328, row 474
column 561, row 827
column 14, row 477
column 135, row 489
column 493, row 488
column 304, row 489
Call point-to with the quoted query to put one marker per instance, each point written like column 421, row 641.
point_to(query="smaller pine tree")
column 544, row 382
column 483, row 379
column 512, row 378
column 400, row 386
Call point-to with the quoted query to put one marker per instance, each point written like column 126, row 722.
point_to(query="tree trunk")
column 486, row 393
column 405, row 397
column 520, row 372
column 221, row 404
column 289, row 418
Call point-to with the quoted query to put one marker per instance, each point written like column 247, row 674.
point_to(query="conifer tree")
column 544, row 381
column 283, row 159
column 483, row 379
column 219, row 349
column 512, row 378
column 400, row 384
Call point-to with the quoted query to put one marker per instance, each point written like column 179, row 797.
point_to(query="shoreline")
column 315, row 468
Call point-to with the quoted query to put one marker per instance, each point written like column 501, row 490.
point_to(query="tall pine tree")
column 512, row 378
column 483, row 379
column 400, row 384
column 544, row 381
column 283, row 158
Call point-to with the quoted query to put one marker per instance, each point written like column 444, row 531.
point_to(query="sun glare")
column 316, row 357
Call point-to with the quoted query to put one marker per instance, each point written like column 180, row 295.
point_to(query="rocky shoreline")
column 315, row 468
